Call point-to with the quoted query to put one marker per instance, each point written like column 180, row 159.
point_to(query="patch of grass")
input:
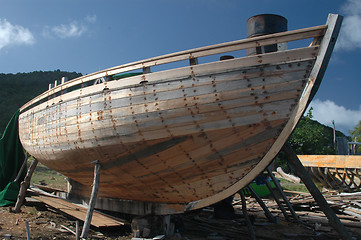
column 48, row 177
column 298, row 187
column 291, row 186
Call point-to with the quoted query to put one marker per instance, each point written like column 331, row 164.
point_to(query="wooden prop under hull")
column 186, row 137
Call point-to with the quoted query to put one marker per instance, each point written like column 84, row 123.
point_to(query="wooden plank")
column 335, row 161
column 79, row 212
column 328, row 42
column 269, row 58
column 24, row 185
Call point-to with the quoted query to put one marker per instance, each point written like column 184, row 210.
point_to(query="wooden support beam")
column 93, row 198
column 267, row 212
column 334, row 221
column 283, row 210
column 22, row 167
column 27, row 230
column 24, row 186
column 167, row 229
column 280, row 190
column 77, row 233
column 245, row 214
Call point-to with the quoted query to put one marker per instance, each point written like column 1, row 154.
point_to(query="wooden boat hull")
column 339, row 172
column 189, row 136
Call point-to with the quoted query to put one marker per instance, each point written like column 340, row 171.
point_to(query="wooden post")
column 283, row 210
column 77, row 233
column 93, row 197
column 333, row 220
column 166, row 225
column 245, row 215
column 24, row 186
column 334, row 135
column 22, row 167
column 279, row 188
column 267, row 212
column 27, row 230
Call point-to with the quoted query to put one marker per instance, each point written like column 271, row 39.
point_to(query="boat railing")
column 192, row 55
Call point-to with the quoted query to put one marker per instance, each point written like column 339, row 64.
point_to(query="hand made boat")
column 182, row 138
column 339, row 172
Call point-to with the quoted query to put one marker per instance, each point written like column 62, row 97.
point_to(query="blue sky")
column 87, row 35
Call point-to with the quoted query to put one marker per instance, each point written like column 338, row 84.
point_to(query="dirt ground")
column 48, row 223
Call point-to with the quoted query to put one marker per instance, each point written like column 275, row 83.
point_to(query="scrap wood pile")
column 347, row 206
column 313, row 222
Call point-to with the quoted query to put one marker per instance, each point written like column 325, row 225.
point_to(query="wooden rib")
column 335, row 161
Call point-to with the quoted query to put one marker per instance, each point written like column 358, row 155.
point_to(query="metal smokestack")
column 266, row 24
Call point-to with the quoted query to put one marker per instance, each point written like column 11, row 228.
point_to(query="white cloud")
column 350, row 34
column 73, row 29
column 326, row 111
column 14, row 34
column 91, row 18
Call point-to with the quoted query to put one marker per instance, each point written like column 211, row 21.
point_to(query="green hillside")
column 309, row 138
column 17, row 89
column 313, row 138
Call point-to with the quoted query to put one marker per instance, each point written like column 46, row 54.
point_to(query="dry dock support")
column 93, row 198
column 316, row 194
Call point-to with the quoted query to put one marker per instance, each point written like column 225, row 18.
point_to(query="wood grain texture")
column 79, row 212
column 334, row 161
column 191, row 135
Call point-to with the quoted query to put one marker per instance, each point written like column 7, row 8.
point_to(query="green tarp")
column 11, row 158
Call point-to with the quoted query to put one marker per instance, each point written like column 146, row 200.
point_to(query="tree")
column 356, row 135
column 309, row 138
column 19, row 88
column 357, row 131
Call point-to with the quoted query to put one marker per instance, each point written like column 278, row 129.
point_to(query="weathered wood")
column 280, row 205
column 334, row 22
column 68, row 229
column 77, row 230
column 245, row 215
column 27, row 230
column 317, row 195
column 22, row 167
column 267, row 212
column 284, row 197
column 332, row 161
column 93, row 198
column 79, row 212
column 24, row 186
